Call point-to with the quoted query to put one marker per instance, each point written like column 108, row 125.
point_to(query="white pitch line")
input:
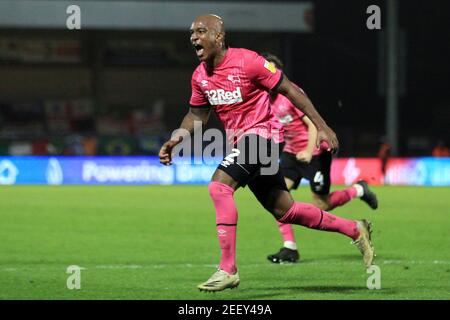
column 132, row 266
column 415, row 262
column 257, row 265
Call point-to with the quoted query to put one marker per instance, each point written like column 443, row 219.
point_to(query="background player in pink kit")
column 301, row 159
column 235, row 83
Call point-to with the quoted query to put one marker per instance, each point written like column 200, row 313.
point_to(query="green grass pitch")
column 159, row 242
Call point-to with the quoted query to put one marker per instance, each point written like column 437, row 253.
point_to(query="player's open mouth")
column 198, row 49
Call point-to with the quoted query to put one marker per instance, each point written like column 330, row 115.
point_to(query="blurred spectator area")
column 87, row 94
column 77, row 127
column 123, row 92
column 96, row 92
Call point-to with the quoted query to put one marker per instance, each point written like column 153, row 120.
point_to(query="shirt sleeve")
column 198, row 98
column 262, row 72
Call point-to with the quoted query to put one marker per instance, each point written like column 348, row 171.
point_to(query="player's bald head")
column 212, row 21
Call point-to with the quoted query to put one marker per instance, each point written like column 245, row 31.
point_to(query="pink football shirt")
column 295, row 130
column 237, row 89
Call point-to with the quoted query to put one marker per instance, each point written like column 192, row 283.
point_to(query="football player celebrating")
column 242, row 104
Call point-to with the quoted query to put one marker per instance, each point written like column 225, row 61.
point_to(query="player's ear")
column 220, row 37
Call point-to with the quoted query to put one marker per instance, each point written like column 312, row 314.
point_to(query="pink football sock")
column 286, row 231
column 341, row 197
column 226, row 222
column 312, row 217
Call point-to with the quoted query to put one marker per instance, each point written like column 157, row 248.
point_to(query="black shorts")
column 254, row 161
column 317, row 171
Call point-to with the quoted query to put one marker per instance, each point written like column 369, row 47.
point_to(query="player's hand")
column 165, row 153
column 327, row 135
column 304, row 156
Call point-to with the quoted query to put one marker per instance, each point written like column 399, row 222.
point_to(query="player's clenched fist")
column 165, row 153
column 328, row 135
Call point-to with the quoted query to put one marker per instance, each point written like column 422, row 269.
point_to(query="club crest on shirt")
column 234, row 79
column 286, row 119
column 204, row 83
column 270, row 66
column 283, row 108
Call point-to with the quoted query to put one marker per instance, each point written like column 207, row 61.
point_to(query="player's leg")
column 276, row 199
column 318, row 173
column 221, row 190
column 367, row 195
column 280, row 203
column 229, row 176
column 339, row 198
column 289, row 251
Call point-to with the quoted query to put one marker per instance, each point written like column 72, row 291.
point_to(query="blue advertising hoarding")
column 99, row 170
column 148, row 170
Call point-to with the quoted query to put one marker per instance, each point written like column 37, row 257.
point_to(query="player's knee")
column 322, row 203
column 281, row 207
column 219, row 190
column 277, row 202
column 279, row 213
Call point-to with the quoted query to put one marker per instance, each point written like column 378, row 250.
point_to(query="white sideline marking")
column 189, row 265
column 415, row 262
column 132, row 266
column 9, row 269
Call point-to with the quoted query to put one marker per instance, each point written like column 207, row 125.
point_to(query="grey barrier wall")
column 164, row 15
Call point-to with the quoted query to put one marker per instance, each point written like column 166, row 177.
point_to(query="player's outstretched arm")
column 301, row 101
column 187, row 127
